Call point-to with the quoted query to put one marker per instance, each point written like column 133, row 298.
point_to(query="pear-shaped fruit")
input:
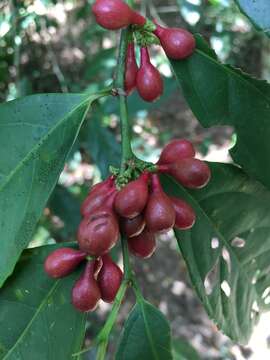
column 131, row 69
column 176, row 42
column 109, row 279
column 98, row 233
column 115, row 14
column 143, row 245
column 185, row 215
column 63, row 261
column 176, row 150
column 149, row 82
column 86, row 293
column 131, row 199
column 159, row 213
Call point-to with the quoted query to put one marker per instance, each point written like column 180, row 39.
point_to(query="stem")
column 127, row 153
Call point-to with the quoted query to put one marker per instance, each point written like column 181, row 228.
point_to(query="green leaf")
column 146, row 335
column 258, row 12
column 227, row 251
column 182, row 350
column 37, row 318
column 37, row 132
column 221, row 95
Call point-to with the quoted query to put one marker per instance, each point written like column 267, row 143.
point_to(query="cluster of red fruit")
column 177, row 43
column 140, row 210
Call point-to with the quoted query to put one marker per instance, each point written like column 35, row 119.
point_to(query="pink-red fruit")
column 115, row 14
column 177, row 43
column 109, row 279
column 131, row 199
column 159, row 213
column 149, row 82
column 98, row 195
column 185, row 215
column 86, row 293
column 131, row 69
column 143, row 245
column 98, row 233
column 62, row 262
column 132, row 227
column 191, row 173
column 176, row 150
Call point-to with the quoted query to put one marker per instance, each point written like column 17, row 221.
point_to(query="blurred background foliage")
column 56, row 46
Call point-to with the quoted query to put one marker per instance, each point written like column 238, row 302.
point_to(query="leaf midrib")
column 43, row 139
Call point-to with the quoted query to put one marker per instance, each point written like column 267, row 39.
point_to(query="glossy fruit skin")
column 98, row 233
column 185, row 215
column 159, row 213
column 149, row 81
column 109, row 279
column 131, row 199
column 63, row 262
column 131, row 69
column 115, row 14
column 86, row 293
column 177, row 43
column 177, row 150
column 98, row 195
column 191, row 173
column 132, row 227
column 143, row 245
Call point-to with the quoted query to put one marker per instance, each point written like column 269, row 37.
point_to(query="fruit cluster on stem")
column 138, row 211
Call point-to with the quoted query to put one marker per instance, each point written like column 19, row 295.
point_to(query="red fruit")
column 86, row 293
column 131, row 199
column 191, row 173
column 98, row 233
column 149, row 82
column 132, row 227
column 131, row 69
column 143, row 245
column 98, row 195
column 62, row 262
column 177, row 43
column 185, row 215
column 115, row 14
column 176, row 150
column 159, row 213
column 109, row 279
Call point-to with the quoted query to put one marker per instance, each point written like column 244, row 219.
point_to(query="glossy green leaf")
column 227, row 251
column 36, row 134
column 36, row 316
column 182, row 350
column 221, row 95
column 258, row 12
column 146, row 335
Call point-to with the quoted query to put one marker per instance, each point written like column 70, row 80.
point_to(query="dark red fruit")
column 109, row 279
column 185, row 215
column 131, row 69
column 143, row 245
column 98, row 233
column 149, row 82
column 86, row 293
column 191, row 173
column 159, row 213
column 62, row 262
column 98, row 195
column 115, row 14
column 177, row 43
column 132, row 227
column 177, row 150
column 131, row 199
